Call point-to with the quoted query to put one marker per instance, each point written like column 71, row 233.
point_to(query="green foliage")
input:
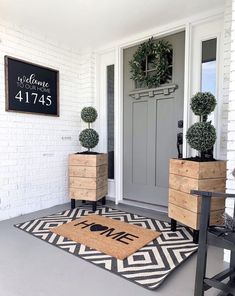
column 203, row 103
column 161, row 55
column 89, row 114
column 201, row 136
column 89, row 138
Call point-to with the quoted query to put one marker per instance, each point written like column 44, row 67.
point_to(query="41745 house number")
column 33, row 98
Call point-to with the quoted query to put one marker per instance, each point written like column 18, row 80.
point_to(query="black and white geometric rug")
column 148, row 267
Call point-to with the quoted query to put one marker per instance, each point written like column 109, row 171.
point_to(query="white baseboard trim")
column 140, row 205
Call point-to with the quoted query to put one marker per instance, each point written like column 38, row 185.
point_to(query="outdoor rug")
column 148, row 267
column 115, row 238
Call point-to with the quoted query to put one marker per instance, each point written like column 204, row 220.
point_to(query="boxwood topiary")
column 89, row 114
column 201, row 136
column 203, row 103
column 89, row 138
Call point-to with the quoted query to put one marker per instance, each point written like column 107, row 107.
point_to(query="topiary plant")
column 203, row 103
column 89, row 138
column 89, row 114
column 201, row 136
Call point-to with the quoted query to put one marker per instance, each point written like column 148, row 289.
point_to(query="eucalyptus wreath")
column 160, row 54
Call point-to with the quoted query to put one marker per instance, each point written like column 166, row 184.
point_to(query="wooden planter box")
column 186, row 175
column 88, row 176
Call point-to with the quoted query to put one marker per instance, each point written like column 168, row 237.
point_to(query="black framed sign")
column 31, row 88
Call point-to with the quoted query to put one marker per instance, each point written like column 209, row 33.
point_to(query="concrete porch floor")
column 29, row 266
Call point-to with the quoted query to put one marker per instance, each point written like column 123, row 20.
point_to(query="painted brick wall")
column 33, row 148
column 231, row 108
column 226, row 75
column 228, row 115
column 230, row 17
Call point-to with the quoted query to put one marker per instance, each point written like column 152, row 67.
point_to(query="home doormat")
column 115, row 238
column 147, row 267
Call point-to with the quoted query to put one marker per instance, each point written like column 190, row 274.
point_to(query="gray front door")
column 150, row 129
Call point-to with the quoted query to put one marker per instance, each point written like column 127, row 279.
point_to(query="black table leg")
column 104, row 200
column 195, row 236
column 94, row 206
column 72, row 203
column 173, row 225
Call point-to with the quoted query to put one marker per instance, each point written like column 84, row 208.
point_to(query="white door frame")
column 103, row 60
column 117, row 60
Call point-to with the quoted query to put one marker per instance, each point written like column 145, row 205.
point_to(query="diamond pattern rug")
column 148, row 267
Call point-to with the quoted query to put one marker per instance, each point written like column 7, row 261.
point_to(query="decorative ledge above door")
column 151, row 92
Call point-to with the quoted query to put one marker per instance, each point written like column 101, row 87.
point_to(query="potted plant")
column 88, row 169
column 201, row 172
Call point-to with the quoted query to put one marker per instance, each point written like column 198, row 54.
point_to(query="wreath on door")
column 151, row 65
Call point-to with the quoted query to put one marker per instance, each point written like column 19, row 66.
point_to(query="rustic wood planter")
column 88, row 177
column 186, row 175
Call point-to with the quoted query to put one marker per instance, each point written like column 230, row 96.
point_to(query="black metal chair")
column 219, row 237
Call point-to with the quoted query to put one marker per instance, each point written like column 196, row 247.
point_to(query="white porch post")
column 231, row 98
column 228, row 121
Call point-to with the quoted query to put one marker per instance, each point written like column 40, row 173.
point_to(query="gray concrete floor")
column 31, row 267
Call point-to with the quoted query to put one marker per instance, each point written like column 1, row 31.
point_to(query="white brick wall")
column 34, row 148
column 226, row 75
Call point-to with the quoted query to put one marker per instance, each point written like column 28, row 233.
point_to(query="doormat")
column 147, row 267
column 115, row 238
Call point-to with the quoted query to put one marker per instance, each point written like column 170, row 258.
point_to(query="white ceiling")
column 94, row 23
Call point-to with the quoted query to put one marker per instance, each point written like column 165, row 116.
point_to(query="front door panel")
column 150, row 132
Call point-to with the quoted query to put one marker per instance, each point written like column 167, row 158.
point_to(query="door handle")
column 180, row 144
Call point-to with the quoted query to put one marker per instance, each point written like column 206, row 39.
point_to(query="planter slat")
column 192, row 219
column 87, row 194
column 187, row 201
column 198, row 170
column 88, row 172
column 185, row 184
column 91, row 160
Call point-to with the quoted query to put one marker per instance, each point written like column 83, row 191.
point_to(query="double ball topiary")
column 202, row 135
column 89, row 138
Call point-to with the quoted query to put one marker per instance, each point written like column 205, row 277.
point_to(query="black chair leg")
column 202, row 249
column 173, row 225
column 73, row 204
column 232, row 265
column 94, row 206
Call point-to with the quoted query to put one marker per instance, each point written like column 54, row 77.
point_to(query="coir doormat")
column 147, row 267
column 115, row 238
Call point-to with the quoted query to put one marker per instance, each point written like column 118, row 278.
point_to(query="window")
column 110, row 132
column 208, row 70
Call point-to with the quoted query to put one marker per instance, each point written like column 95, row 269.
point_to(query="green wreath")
column 160, row 54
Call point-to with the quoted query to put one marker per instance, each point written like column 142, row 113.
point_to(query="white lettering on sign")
column 32, row 80
column 34, row 98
